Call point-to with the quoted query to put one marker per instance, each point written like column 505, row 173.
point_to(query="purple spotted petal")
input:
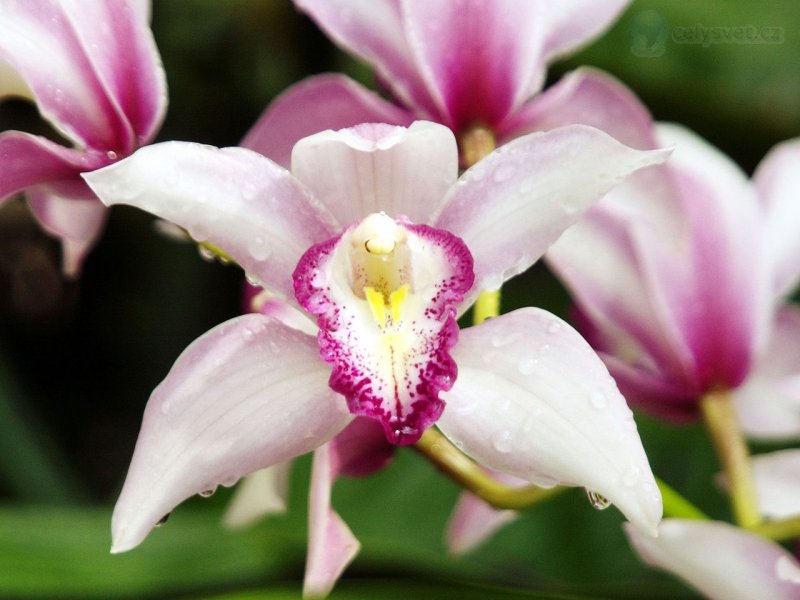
column 390, row 363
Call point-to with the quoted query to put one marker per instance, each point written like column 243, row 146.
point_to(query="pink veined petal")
column 379, row 168
column 232, row 197
column 777, row 477
column 258, row 495
column 77, row 223
column 43, row 44
column 768, row 402
column 484, row 59
column 721, row 561
column 534, row 401
column 511, row 206
column 318, row 103
column 248, row 394
column 473, row 521
column 373, row 30
column 586, row 96
column 116, row 37
column 574, row 23
column 331, row 544
column 778, row 185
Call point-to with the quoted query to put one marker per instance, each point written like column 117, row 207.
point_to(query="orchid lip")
column 385, row 294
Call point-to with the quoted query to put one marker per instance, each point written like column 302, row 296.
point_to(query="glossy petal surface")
column 573, row 23
column 534, row 401
column 248, row 394
column 777, row 476
column 379, row 168
column 234, row 198
column 511, row 206
column 719, row 560
column 317, row 104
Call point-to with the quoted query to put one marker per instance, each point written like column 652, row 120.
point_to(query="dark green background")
column 79, row 359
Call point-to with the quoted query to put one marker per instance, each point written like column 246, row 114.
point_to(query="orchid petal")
column 718, row 559
column 317, row 104
column 261, row 493
column 373, row 31
column 511, row 206
column 777, row 478
column 778, row 185
column 234, row 198
column 534, row 401
column 586, row 97
column 77, row 223
column 94, row 70
column 768, row 402
column 473, row 522
column 379, row 168
column 361, row 448
column 331, row 544
column 572, row 24
column 484, row 59
column 248, row 394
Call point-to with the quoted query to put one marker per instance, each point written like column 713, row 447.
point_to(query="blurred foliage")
column 79, row 358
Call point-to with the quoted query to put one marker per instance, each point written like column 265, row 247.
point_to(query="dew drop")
column 253, row 280
column 631, row 476
column 207, row 493
column 501, row 440
column 554, row 327
column 527, row 365
column 248, row 334
column 249, row 191
column 165, row 407
column 163, row 520
column 598, row 399
column 111, row 155
column 597, row 501
column 206, row 254
column 258, row 248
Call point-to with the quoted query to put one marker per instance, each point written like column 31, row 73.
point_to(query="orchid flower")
column 720, row 560
column 375, row 237
column 95, row 75
column 474, row 64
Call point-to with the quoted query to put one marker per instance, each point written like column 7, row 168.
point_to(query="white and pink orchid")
column 374, row 235
column 463, row 64
column 94, row 72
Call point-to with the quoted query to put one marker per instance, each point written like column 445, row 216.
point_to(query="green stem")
column 453, row 463
column 486, row 306
column 782, row 530
column 676, row 506
column 726, row 435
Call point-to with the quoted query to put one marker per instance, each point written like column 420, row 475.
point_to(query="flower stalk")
column 726, row 435
column 453, row 463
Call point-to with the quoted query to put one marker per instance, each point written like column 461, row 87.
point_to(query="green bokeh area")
column 79, row 359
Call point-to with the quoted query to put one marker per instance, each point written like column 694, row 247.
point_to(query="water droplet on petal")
column 253, row 280
column 248, row 334
column 527, row 365
column 597, row 501
column 163, row 520
column 207, row 493
column 501, row 440
column 249, row 191
column 598, row 399
column 206, row 254
column 111, row 155
column 631, row 476
column 554, row 327
column 258, row 249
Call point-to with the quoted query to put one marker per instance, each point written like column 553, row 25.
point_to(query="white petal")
column 379, row 168
column 234, row 198
column 533, row 400
column 259, row 494
column 511, row 206
column 248, row 394
column 777, row 476
column 720, row 560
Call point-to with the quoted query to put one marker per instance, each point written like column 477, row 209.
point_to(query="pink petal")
column 768, row 402
column 331, row 544
column 511, row 206
column 778, row 185
column 361, row 448
column 574, row 23
column 248, row 394
column 586, row 97
column 264, row 492
column 534, row 401
column 77, row 223
column 94, row 71
column 719, row 560
column 318, row 103
column 234, row 198
column 379, row 168
column 777, row 476
column 373, row 30
column 483, row 58
column 473, row 522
